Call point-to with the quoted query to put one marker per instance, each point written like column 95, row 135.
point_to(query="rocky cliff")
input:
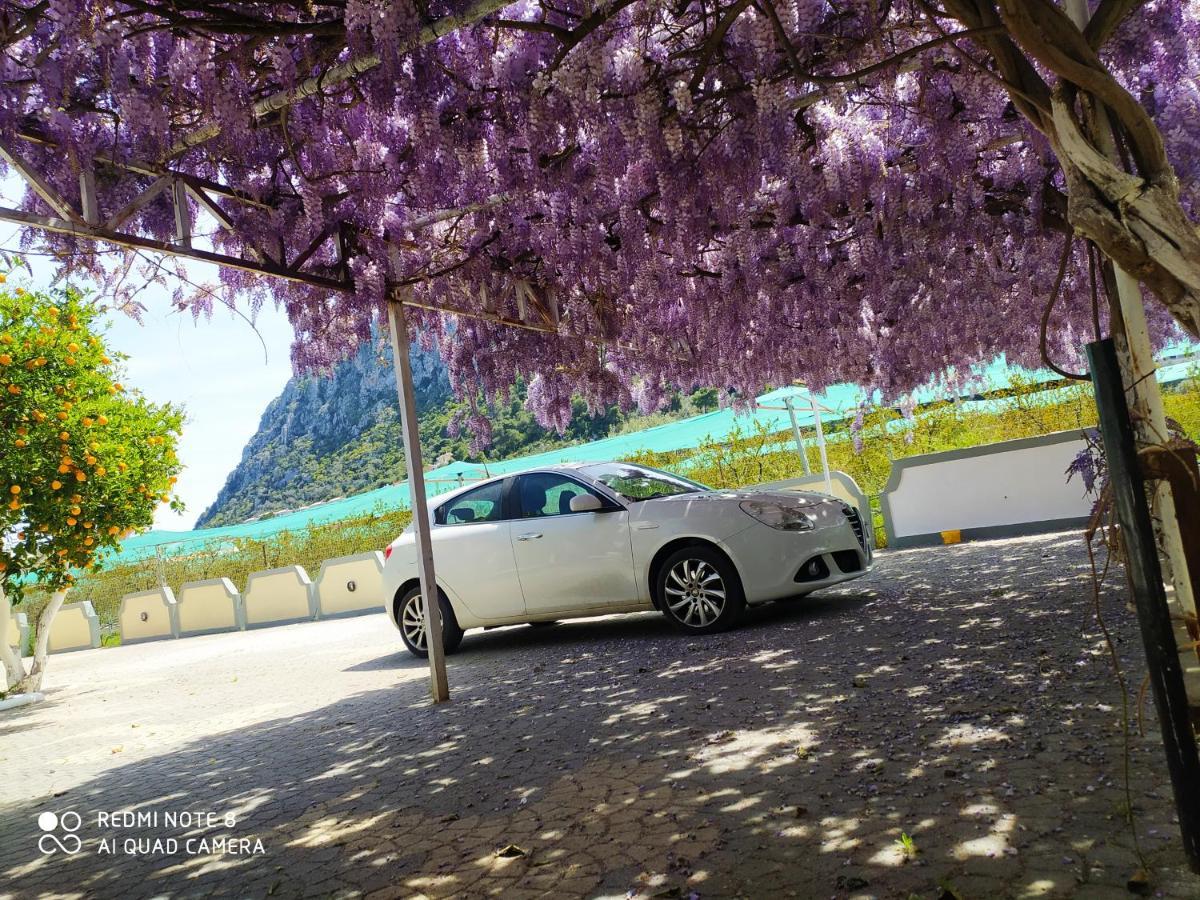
column 327, row 436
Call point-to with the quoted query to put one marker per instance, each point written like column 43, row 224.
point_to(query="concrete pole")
column 787, row 401
column 1137, row 359
column 816, row 411
column 439, row 685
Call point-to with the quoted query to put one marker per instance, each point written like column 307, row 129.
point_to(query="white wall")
column 1011, row 483
column 332, row 587
column 158, row 608
column 208, row 606
column 276, row 596
column 74, row 627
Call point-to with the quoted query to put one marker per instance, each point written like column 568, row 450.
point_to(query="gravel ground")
column 960, row 697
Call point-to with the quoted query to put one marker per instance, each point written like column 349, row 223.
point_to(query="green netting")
column 837, row 403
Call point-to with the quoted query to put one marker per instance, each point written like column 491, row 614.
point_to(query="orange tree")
column 83, row 460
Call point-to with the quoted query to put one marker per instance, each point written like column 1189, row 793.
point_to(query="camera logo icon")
column 58, row 832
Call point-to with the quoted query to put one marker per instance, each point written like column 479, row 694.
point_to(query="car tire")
column 409, row 608
column 699, row 590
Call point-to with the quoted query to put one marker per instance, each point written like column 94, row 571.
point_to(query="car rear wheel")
column 411, row 616
column 699, row 590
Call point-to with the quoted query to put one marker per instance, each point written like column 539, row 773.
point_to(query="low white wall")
column 349, row 585
column 75, row 627
column 148, row 616
column 277, row 596
column 208, row 606
column 1001, row 489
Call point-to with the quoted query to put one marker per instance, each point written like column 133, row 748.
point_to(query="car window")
column 547, row 494
column 641, row 483
column 484, row 504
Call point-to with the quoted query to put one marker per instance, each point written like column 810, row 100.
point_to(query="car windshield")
column 640, row 483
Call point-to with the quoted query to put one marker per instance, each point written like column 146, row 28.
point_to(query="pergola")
column 88, row 216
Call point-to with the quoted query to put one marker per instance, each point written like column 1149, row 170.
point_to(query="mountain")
column 339, row 434
column 328, row 436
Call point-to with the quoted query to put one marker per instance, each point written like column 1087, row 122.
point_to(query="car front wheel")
column 412, row 619
column 699, row 590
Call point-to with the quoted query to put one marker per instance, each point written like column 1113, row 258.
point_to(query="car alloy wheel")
column 412, row 622
column 411, row 616
column 699, row 591
column 695, row 592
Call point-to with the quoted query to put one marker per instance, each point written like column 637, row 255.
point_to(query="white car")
column 597, row 538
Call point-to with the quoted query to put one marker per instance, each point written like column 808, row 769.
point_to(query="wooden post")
column 439, row 686
column 1149, row 595
column 87, row 196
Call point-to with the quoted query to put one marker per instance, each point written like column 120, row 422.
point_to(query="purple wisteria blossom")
column 709, row 196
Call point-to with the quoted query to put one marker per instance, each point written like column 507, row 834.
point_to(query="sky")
column 218, row 370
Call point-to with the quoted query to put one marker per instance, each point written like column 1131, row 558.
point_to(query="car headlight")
column 777, row 515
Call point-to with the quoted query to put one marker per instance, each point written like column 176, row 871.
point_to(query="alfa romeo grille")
column 857, row 525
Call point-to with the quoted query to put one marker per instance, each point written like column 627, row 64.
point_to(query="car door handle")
column 645, row 526
column 532, row 536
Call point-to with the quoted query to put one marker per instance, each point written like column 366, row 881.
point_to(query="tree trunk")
column 33, row 681
column 1136, row 220
column 14, row 670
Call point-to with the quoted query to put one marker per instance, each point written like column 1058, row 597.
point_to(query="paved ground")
column 960, row 696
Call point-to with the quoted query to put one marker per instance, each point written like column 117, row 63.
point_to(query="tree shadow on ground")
column 959, row 696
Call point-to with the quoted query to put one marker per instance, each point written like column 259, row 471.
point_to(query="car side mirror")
column 586, row 503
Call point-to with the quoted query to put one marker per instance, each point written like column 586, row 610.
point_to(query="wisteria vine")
column 729, row 194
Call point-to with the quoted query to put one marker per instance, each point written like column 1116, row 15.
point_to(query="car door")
column 569, row 561
column 473, row 552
